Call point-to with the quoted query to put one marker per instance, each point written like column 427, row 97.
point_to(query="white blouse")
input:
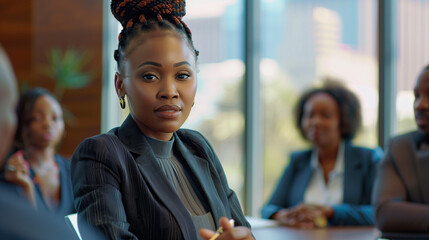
column 330, row 193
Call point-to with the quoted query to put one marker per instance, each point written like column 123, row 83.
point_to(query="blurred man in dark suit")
column 401, row 191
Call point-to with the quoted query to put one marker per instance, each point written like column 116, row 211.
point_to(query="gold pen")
column 219, row 231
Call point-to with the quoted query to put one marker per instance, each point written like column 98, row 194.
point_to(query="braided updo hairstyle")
column 138, row 16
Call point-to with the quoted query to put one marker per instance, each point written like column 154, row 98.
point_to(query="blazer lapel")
column 165, row 193
column 301, row 183
column 352, row 176
column 131, row 136
column 421, row 166
column 201, row 170
column 422, row 162
column 407, row 159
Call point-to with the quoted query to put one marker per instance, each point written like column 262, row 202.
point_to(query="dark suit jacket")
column 359, row 173
column 19, row 221
column 120, row 188
column 401, row 192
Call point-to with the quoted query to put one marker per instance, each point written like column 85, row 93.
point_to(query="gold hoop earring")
column 122, row 102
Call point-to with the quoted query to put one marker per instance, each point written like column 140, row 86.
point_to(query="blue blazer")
column 65, row 205
column 359, row 173
column 120, row 189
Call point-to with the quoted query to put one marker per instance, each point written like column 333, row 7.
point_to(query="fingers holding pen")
column 225, row 225
column 227, row 231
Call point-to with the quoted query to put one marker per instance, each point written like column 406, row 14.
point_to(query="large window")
column 411, row 31
column 217, row 31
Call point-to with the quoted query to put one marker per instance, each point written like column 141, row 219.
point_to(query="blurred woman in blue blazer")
column 34, row 169
column 330, row 183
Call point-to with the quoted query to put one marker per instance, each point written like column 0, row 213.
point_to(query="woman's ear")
column 119, row 85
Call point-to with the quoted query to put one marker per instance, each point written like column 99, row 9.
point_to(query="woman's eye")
column 183, row 76
column 149, row 77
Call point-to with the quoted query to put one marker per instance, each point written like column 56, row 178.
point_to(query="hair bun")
column 127, row 11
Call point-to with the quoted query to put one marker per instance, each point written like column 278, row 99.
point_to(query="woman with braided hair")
column 34, row 169
column 149, row 179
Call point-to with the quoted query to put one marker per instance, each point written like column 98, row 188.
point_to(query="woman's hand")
column 229, row 232
column 305, row 216
column 18, row 172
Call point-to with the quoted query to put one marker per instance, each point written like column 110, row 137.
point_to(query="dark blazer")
column 401, row 190
column 20, row 221
column 120, row 189
column 65, row 206
column 359, row 174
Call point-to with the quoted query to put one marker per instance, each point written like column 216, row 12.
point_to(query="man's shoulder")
column 405, row 138
column 23, row 222
column 404, row 146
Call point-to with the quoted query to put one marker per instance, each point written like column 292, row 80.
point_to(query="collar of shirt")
column 339, row 163
column 330, row 193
